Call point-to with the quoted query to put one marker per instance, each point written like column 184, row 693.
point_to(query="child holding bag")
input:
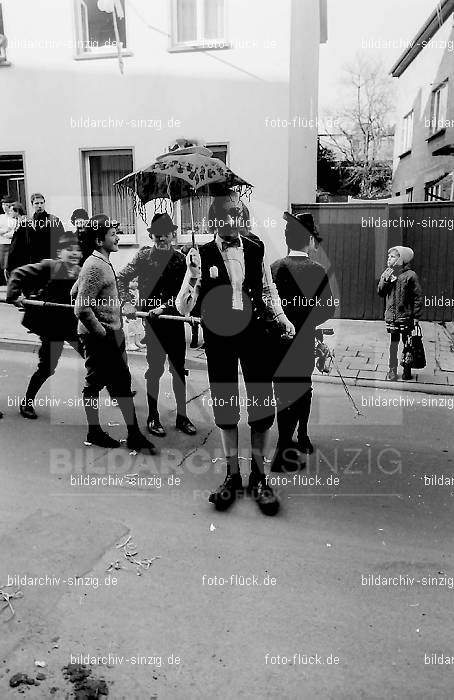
column 400, row 287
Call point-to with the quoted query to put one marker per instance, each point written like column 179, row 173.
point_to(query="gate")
column 356, row 238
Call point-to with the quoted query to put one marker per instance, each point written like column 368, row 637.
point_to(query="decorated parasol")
column 186, row 171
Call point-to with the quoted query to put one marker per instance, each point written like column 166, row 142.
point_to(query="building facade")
column 423, row 161
column 241, row 77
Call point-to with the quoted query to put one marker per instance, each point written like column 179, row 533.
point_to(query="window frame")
column 4, row 152
column 81, row 54
column 127, row 239
column 3, row 52
column 407, row 133
column 409, row 192
column 200, row 43
column 432, row 196
column 434, row 128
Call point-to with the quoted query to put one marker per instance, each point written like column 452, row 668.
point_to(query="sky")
column 354, row 23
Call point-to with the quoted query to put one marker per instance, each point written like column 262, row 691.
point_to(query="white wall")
column 221, row 96
column 433, row 65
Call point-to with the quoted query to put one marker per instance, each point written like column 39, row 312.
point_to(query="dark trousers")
column 294, row 399
column 4, row 250
column 106, row 363
column 48, row 357
column 165, row 339
column 394, row 346
column 293, row 386
column 249, row 349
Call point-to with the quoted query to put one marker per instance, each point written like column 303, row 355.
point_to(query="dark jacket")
column 48, row 229
column 304, row 289
column 215, row 295
column 403, row 297
column 159, row 275
column 21, row 249
column 47, row 280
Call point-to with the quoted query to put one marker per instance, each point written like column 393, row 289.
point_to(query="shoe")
column 101, row 439
column 406, row 374
column 305, row 445
column 155, row 428
column 137, row 442
column 184, row 425
column 26, row 410
column 227, row 492
column 392, row 374
column 263, row 494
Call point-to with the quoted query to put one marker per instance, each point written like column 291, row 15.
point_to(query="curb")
column 199, row 364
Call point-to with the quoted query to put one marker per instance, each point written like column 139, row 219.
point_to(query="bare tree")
column 361, row 127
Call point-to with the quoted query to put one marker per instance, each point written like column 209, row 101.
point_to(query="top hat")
column 161, row 224
column 307, row 221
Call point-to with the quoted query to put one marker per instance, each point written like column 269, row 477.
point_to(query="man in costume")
column 304, row 289
column 160, row 272
column 225, row 276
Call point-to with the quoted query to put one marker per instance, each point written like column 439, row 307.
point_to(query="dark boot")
column 135, row 440
column 263, row 494
column 26, row 408
column 227, row 492
column 95, row 435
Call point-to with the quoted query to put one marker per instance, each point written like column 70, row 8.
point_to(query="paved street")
column 361, row 351
column 232, row 640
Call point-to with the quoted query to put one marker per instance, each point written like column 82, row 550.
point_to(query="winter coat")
column 403, row 297
column 48, row 280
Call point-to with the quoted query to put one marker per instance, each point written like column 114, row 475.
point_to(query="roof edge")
column 427, row 31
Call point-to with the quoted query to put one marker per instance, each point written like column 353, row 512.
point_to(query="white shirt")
column 7, row 228
column 297, row 254
column 233, row 258
column 234, row 261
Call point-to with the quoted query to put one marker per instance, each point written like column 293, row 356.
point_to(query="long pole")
column 139, row 314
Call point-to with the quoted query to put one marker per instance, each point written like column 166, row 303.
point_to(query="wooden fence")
column 356, row 238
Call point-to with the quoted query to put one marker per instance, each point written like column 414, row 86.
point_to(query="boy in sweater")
column 98, row 310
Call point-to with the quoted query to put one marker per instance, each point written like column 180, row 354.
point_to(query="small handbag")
column 414, row 354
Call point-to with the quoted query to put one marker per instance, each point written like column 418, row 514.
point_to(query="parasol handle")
column 192, row 222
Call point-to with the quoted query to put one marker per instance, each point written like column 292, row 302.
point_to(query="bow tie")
column 231, row 244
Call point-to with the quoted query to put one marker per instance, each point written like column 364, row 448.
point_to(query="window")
column 409, row 193
column 198, row 24
column 200, row 205
column 432, row 192
column 407, row 132
column 101, row 169
column 95, row 28
column 12, row 177
column 438, row 108
column 3, row 58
